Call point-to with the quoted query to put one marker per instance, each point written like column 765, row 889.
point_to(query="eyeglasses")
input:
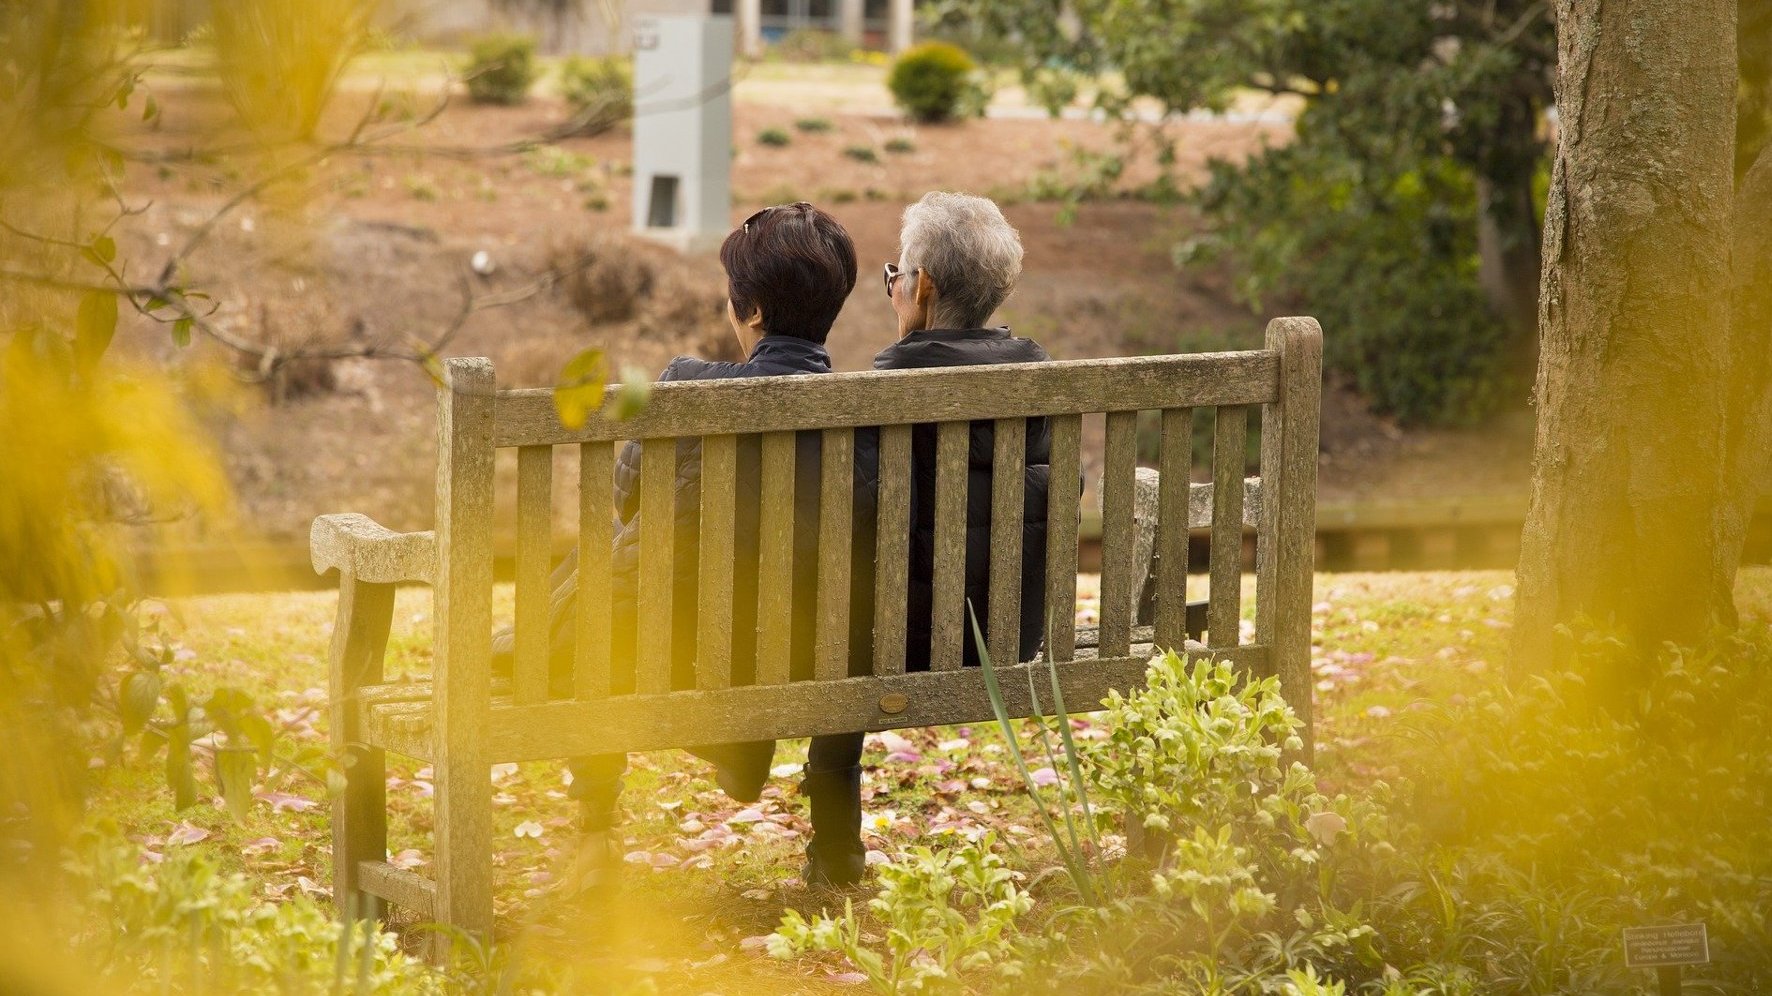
column 893, row 273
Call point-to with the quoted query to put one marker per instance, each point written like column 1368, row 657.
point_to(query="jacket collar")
column 955, row 335
column 789, row 351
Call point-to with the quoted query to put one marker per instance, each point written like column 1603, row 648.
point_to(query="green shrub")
column 900, row 146
column 600, row 92
column 931, row 82
column 813, row 126
column 1386, row 260
column 776, row 137
column 862, row 153
column 811, row 45
column 501, row 69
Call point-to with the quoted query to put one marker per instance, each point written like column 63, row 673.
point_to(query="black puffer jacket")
column 958, row 348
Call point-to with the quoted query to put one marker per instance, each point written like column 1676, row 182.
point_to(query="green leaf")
column 137, row 699
column 181, row 332
column 579, row 390
column 235, row 767
column 102, row 250
column 257, row 729
column 95, row 323
column 150, row 109
column 636, row 390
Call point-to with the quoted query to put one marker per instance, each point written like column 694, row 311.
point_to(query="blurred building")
column 600, row 26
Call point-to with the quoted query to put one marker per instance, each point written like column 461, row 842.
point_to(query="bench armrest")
column 368, row 551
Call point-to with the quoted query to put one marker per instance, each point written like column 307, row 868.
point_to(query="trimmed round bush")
column 501, row 69
column 930, row 81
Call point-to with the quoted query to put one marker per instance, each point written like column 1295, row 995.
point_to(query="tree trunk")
column 1629, row 470
column 1748, row 470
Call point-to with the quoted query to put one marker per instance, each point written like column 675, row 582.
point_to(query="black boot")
column 742, row 769
column 835, row 856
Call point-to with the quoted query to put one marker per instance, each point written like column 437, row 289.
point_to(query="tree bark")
column 1634, row 313
column 1748, row 468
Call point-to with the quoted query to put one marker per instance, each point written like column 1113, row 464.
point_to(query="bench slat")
column 713, row 619
column 1230, row 436
column 1174, row 494
column 1008, row 505
column 652, row 645
column 1064, row 499
column 948, row 626
column 1117, row 484
column 535, row 483
column 892, row 559
column 875, row 397
column 596, row 534
column 775, row 567
column 804, row 709
column 836, row 479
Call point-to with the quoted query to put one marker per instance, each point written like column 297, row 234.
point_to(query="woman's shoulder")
column 959, row 347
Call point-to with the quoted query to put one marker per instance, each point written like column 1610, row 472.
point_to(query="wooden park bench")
column 463, row 723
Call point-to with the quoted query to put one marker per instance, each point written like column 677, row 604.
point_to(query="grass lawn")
column 707, row 877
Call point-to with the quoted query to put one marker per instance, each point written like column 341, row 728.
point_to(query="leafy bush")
column 811, row 45
column 947, row 913
column 813, row 126
column 501, row 69
column 1386, row 261
column 900, row 146
column 862, row 153
column 932, row 81
column 600, row 92
column 184, row 921
column 775, row 137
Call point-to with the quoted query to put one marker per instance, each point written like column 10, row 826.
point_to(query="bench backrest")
column 476, row 419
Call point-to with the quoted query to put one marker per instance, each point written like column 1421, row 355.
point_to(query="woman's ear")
column 924, row 291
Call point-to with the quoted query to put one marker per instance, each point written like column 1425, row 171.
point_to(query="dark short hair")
column 795, row 264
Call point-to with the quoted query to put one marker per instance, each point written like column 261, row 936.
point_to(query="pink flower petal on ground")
column 260, row 845
column 407, row 859
column 1044, row 776
column 185, row 833
column 744, row 816
column 904, row 756
column 638, row 857
column 847, row 978
column 894, row 742
column 281, row 801
column 755, row 943
column 951, row 786
column 1378, row 712
column 528, row 828
column 959, row 743
column 876, row 858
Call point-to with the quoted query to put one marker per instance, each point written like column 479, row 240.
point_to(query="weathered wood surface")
column 1064, row 496
column 596, row 537
column 1174, row 503
column 398, row 886
column 713, row 618
column 950, row 623
column 535, row 488
column 836, row 479
column 658, row 530
column 1008, row 501
column 360, row 812
column 462, row 773
column 368, row 551
column 806, row 708
column 892, row 543
column 1118, row 596
column 775, row 559
column 1230, row 440
column 891, row 397
column 1285, row 547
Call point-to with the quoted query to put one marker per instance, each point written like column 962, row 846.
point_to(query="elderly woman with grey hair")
column 958, row 261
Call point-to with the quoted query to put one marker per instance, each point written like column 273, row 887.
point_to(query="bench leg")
column 359, row 814
column 464, row 849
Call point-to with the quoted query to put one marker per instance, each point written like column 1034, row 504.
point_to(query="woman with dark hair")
column 789, row 269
